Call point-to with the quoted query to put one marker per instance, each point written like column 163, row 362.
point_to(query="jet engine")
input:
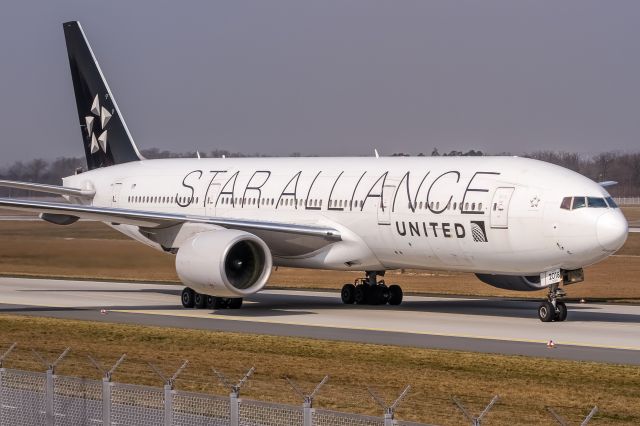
column 224, row 263
column 512, row 282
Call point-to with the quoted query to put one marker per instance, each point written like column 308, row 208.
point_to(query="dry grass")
column 92, row 250
column 632, row 214
column 526, row 385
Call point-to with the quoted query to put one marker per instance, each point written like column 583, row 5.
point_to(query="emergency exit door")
column 500, row 207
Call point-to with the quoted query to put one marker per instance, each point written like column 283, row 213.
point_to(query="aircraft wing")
column 148, row 219
column 48, row 189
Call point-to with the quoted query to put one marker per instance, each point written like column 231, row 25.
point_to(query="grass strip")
column 526, row 385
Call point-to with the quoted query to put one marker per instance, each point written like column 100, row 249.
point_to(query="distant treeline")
column 622, row 168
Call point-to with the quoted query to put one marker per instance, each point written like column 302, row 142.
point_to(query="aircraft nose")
column 612, row 230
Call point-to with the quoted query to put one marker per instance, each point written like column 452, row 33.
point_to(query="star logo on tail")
column 99, row 117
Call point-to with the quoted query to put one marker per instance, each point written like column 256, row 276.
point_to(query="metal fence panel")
column 77, row 401
column 334, row 418
column 23, row 398
column 254, row 413
column 137, row 405
column 193, row 409
column 627, row 201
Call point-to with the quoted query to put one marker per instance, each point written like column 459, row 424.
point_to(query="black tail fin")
column 107, row 140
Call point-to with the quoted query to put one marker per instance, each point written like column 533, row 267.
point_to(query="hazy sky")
column 330, row 76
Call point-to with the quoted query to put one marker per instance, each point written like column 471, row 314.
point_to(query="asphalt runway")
column 593, row 332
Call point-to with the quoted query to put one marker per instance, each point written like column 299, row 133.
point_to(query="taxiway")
column 593, row 332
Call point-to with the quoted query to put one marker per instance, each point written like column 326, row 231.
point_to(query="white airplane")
column 517, row 223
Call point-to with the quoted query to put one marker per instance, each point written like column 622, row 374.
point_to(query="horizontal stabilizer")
column 48, row 189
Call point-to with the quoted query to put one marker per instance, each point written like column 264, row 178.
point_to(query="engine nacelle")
column 512, row 282
column 225, row 263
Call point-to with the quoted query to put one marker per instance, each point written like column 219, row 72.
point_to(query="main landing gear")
column 553, row 309
column 370, row 291
column 192, row 299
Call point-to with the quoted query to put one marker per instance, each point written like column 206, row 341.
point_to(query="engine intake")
column 225, row 263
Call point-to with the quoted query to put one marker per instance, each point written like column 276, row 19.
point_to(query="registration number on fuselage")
column 551, row 277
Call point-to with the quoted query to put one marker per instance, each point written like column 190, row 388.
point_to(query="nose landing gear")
column 553, row 309
column 370, row 291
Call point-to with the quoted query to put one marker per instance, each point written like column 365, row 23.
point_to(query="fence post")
column 2, row 358
column 475, row 421
column 307, row 405
column 168, row 390
column 234, row 409
column 561, row 420
column 106, row 387
column 50, row 415
column 234, row 396
column 389, row 410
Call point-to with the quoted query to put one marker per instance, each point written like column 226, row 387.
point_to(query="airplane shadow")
column 292, row 304
column 497, row 307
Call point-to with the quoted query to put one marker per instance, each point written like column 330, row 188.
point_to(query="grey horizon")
column 331, row 77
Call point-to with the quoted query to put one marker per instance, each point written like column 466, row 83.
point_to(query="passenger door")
column 117, row 187
column 210, row 199
column 500, row 207
column 384, row 209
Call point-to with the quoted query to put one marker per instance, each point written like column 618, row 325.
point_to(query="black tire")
column 210, row 301
column 395, row 295
column 348, row 294
column 200, row 301
column 546, row 312
column 360, row 295
column 383, row 294
column 235, row 303
column 220, row 303
column 187, row 297
column 561, row 315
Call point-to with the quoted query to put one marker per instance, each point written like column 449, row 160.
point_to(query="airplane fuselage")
column 499, row 215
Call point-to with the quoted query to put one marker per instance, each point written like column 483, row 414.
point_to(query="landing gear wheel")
column 395, row 295
column 348, row 294
column 210, row 301
column 200, row 301
column 360, row 295
column 382, row 295
column 235, row 303
column 220, row 303
column 187, row 298
column 561, row 313
column 546, row 312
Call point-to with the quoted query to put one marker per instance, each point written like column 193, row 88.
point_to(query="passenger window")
column 596, row 202
column 579, row 202
column 566, row 203
column 480, row 206
column 611, row 203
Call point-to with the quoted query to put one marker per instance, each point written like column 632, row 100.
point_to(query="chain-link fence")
column 627, row 201
column 33, row 398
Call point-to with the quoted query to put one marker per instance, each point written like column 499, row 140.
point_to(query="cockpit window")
column 596, row 202
column 572, row 203
column 579, row 202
